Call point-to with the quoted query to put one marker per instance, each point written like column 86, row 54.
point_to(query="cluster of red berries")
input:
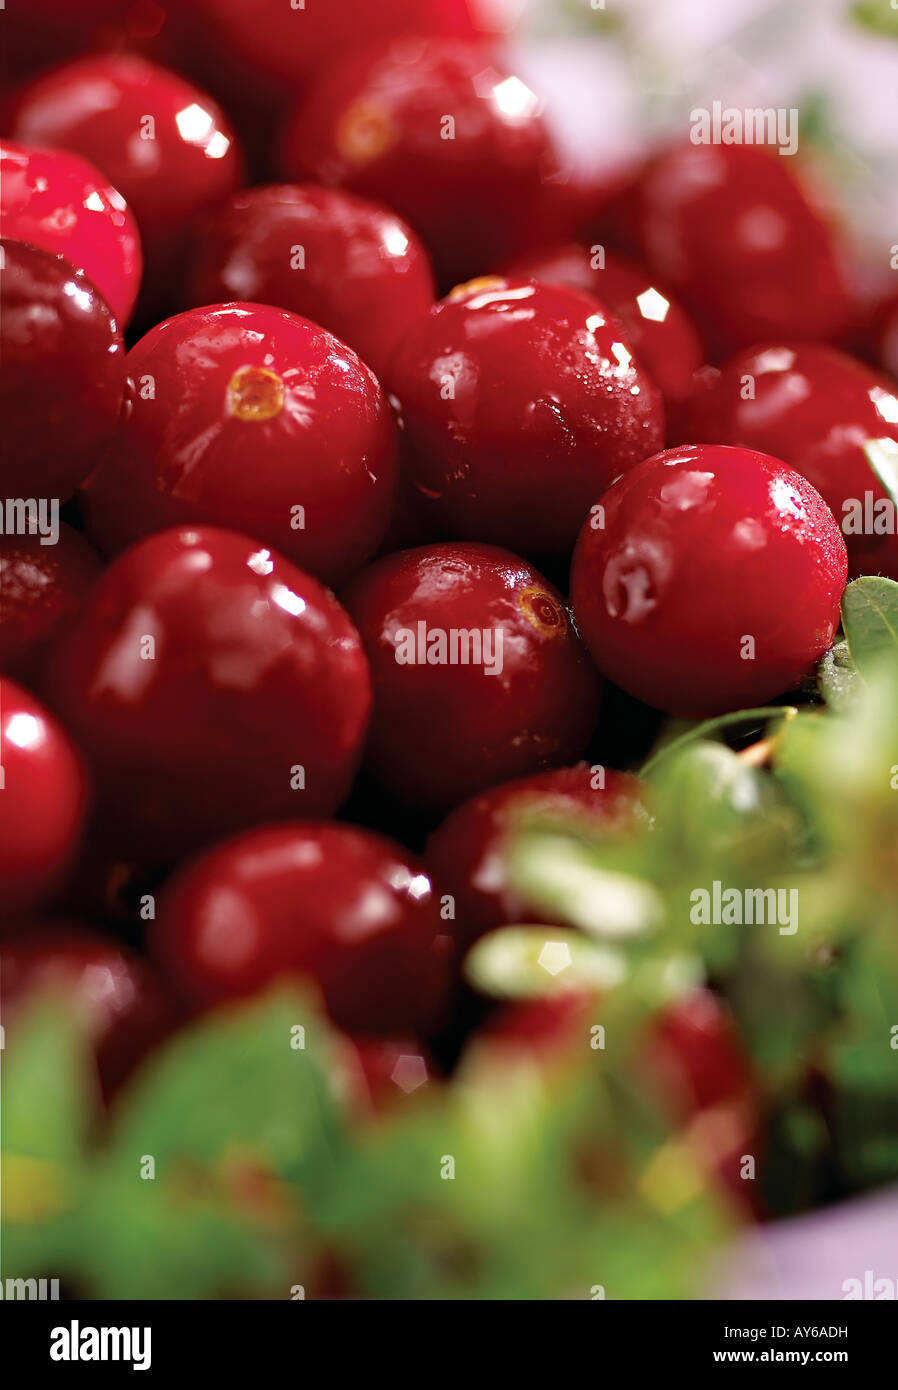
column 676, row 418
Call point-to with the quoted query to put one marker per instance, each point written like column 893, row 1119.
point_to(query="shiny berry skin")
column 376, row 124
column 60, row 202
column 352, row 266
column 296, row 42
column 246, row 416
column 817, row 409
column 711, row 580
column 254, row 674
column 41, row 586
column 169, row 171
column 656, row 327
column 116, row 992
column 729, row 230
column 343, row 906
column 525, row 699
column 63, row 374
column 521, row 403
column 467, row 852
column 43, row 799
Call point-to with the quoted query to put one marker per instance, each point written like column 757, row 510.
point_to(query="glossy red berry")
column 352, row 266
column 117, row 994
column 730, row 230
column 887, row 337
column 162, row 142
column 521, row 403
column 60, row 202
column 296, row 41
column 213, row 685
column 656, row 327
column 42, row 801
column 436, row 131
column 41, row 587
column 246, row 416
column 341, row 905
column 63, row 373
column 478, row 673
column 828, row 416
column 467, row 853
column 710, row 579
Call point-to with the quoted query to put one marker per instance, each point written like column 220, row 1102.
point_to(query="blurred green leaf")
column 870, row 620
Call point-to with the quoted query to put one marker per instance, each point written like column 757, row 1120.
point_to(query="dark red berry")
column 352, row 266
column 63, row 373
column 708, row 579
column 61, row 203
column 116, row 993
column 467, row 853
column 656, row 327
column 386, row 1071
column 41, row 587
column 478, row 673
column 42, row 801
column 731, row 231
column 296, row 41
column 246, row 416
column 341, row 905
column 439, row 133
column 888, row 337
column 164, row 144
column 213, row 685
column 521, row 403
column 828, row 416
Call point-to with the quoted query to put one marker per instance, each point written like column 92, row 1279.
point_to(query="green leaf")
column 870, row 620
column 531, row 962
column 878, row 16
column 882, row 455
column 708, row 727
column 837, row 676
column 568, row 877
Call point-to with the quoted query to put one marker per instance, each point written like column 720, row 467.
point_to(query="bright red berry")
column 731, row 231
column 341, row 905
column 42, row 801
column 467, row 853
column 296, row 41
column 242, row 415
column 213, row 685
column 116, row 992
column 61, row 203
column 656, row 327
column 162, row 142
column 709, row 579
column 478, row 672
column 829, row 417
column 41, row 587
column 521, row 403
column 352, row 266
column 436, row 131
column 63, row 373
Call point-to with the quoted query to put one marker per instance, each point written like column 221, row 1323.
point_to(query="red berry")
column 61, row 203
column 521, row 403
column 729, row 229
column 246, row 416
column 437, row 132
column 478, row 673
column 387, row 1070
column 213, row 685
column 656, row 327
column 295, row 42
column 42, row 800
column 163, row 143
column 820, row 411
column 41, row 587
column 467, row 852
column 711, row 581
column 341, row 905
column 119, row 996
column 888, row 337
column 352, row 266
column 63, row 373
